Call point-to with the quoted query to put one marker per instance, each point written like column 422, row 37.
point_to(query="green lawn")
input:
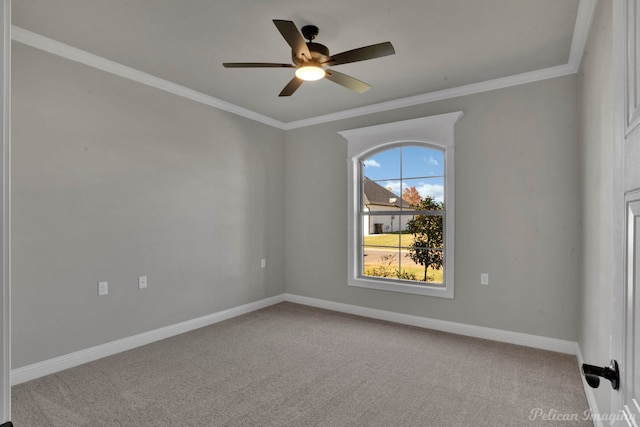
column 389, row 239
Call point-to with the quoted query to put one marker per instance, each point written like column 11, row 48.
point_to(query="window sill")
column 402, row 287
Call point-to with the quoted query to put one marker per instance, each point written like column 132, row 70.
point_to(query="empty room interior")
column 193, row 243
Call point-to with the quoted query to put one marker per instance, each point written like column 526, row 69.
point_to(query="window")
column 401, row 206
column 401, row 209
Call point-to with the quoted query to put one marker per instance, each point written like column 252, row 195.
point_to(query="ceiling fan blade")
column 361, row 54
column 255, row 65
column 347, row 81
column 291, row 87
column 293, row 36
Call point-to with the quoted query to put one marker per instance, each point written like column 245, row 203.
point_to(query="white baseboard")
column 535, row 341
column 47, row 367
column 36, row 370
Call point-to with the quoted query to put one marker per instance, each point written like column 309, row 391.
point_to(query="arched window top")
column 401, row 167
column 397, row 144
column 436, row 130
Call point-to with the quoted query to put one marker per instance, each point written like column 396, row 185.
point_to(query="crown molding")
column 586, row 10
column 54, row 47
column 470, row 89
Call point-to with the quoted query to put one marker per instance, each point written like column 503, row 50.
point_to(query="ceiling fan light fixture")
column 310, row 73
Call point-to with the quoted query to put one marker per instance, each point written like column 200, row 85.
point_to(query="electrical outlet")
column 142, row 282
column 103, row 288
column 484, row 279
column 263, row 263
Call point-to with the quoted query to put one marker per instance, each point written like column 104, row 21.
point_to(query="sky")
column 419, row 167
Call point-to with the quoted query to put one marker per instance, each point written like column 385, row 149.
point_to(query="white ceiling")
column 440, row 45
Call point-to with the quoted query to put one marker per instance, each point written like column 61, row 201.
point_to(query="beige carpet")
column 291, row 365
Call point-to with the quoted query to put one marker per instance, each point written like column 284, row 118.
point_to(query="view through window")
column 402, row 209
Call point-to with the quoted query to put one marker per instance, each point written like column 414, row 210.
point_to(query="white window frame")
column 433, row 131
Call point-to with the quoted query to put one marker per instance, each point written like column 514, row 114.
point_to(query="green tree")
column 428, row 233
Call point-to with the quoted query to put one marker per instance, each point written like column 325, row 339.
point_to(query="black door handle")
column 611, row 372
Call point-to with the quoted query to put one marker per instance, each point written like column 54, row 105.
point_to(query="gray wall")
column 112, row 180
column 517, row 212
column 597, row 159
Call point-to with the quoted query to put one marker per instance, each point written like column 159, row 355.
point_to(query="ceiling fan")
column 311, row 59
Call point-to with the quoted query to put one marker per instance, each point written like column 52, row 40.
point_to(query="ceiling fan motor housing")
column 319, row 54
column 309, row 32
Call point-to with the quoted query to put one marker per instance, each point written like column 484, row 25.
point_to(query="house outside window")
column 401, row 206
column 376, row 198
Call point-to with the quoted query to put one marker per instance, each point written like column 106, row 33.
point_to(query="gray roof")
column 375, row 194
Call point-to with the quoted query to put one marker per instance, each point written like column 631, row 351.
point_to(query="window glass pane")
column 381, row 262
column 416, row 190
column 383, row 166
column 427, row 232
column 382, row 196
column 422, row 161
column 382, row 230
column 416, row 272
column 422, row 265
column 422, row 249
